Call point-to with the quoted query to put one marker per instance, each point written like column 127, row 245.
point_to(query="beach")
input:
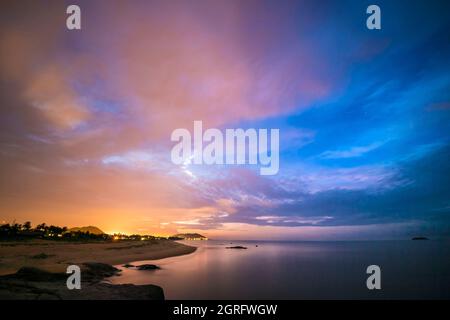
column 37, row 269
column 55, row 256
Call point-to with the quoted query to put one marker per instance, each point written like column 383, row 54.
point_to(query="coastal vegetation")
column 26, row 231
column 16, row 232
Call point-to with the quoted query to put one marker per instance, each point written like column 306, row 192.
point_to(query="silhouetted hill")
column 90, row 229
column 190, row 236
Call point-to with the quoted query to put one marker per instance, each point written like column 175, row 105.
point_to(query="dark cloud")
column 423, row 197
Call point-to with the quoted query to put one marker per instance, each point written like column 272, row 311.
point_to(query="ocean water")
column 301, row 270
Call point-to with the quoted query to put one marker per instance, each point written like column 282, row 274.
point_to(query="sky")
column 364, row 117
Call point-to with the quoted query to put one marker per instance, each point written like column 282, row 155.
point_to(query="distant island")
column 420, row 238
column 188, row 236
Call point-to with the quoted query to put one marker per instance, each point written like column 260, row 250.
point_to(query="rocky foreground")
column 36, row 284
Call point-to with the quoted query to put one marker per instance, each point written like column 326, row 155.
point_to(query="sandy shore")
column 55, row 256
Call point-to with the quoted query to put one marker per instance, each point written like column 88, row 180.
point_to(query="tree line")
column 17, row 231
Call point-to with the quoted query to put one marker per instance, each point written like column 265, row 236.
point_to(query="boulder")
column 148, row 267
column 237, row 247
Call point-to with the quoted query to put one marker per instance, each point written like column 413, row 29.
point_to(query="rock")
column 96, row 271
column 35, row 284
column 106, row 291
column 127, row 265
column 36, row 275
column 237, row 247
column 420, row 238
column 148, row 267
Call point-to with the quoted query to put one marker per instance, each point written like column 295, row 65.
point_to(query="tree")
column 27, row 226
column 42, row 227
column 15, row 228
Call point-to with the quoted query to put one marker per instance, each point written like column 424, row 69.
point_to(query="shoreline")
column 37, row 269
column 55, row 256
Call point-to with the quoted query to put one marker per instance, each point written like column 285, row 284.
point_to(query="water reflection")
column 300, row 270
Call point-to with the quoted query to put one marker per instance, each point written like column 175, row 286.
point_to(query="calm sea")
column 301, row 270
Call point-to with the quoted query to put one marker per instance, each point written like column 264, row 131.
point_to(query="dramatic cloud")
column 86, row 116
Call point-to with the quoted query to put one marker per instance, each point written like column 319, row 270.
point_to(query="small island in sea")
column 420, row 238
column 34, row 261
column 188, row 236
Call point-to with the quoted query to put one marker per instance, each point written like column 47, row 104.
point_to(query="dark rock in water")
column 237, row 247
column 128, row 265
column 96, row 271
column 148, row 267
column 420, row 238
column 32, row 283
column 256, row 246
column 100, row 267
